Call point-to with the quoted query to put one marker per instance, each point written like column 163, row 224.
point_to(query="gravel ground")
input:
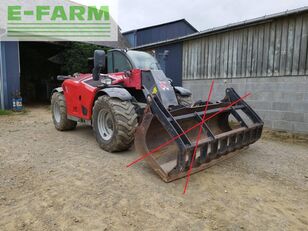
column 52, row 180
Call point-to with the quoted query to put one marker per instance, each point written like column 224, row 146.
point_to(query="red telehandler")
column 128, row 98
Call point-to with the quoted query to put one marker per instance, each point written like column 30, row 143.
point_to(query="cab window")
column 110, row 63
column 117, row 62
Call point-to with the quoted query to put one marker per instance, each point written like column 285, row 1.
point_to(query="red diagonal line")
column 198, row 138
column 188, row 130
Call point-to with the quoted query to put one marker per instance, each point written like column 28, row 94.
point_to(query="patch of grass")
column 12, row 113
column 5, row 112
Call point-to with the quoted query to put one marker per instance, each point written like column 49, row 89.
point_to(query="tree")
column 76, row 57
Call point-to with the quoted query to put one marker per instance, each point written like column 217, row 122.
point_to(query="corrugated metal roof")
column 159, row 25
column 231, row 26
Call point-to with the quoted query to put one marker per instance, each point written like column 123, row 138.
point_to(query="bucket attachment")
column 231, row 130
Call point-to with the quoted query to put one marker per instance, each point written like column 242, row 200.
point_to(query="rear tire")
column 184, row 100
column 59, row 115
column 114, row 123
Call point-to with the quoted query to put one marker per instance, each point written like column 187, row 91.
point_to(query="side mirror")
column 99, row 63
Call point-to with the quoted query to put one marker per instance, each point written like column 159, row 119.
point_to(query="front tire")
column 114, row 123
column 59, row 115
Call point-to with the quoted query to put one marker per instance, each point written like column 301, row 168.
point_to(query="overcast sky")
column 202, row 14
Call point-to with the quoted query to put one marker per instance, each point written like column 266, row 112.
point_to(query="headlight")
column 106, row 81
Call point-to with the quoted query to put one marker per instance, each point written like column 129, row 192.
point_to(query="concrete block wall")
column 282, row 102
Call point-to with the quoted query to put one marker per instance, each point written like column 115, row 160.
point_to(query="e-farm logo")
column 69, row 21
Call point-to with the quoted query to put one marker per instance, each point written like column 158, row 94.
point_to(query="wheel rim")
column 56, row 112
column 105, row 124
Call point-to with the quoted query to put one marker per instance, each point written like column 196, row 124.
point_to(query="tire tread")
column 126, row 122
column 65, row 124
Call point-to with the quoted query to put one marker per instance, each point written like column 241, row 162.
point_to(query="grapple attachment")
column 232, row 129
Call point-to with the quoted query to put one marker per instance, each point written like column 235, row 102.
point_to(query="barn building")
column 267, row 56
column 169, row 61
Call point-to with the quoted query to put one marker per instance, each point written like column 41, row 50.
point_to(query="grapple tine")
column 221, row 137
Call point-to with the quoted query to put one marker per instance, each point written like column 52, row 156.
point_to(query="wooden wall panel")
column 275, row 48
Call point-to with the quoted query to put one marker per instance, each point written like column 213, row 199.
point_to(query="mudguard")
column 58, row 89
column 182, row 91
column 116, row 92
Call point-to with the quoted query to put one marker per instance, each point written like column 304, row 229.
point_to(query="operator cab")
column 126, row 60
column 118, row 60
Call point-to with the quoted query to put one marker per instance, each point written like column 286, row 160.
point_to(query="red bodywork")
column 80, row 94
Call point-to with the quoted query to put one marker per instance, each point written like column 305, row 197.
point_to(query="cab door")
column 117, row 62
